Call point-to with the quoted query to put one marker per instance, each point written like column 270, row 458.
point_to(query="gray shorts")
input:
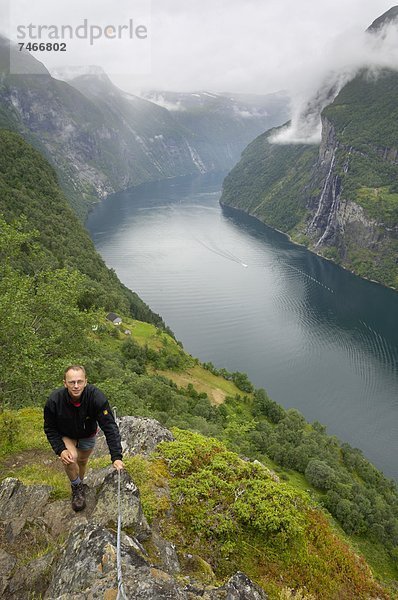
column 86, row 443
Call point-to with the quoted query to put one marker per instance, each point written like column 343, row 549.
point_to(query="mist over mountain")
column 339, row 196
column 375, row 49
column 102, row 140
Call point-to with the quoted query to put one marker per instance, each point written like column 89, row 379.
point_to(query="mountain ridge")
column 339, row 199
column 101, row 139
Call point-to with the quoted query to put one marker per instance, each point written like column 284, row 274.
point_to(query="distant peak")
column 71, row 72
column 385, row 19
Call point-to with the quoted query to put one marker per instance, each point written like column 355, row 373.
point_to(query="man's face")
column 75, row 381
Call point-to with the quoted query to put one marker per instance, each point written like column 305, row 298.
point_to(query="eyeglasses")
column 79, row 382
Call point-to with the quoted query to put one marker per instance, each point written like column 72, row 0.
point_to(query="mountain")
column 251, row 487
column 223, row 124
column 51, row 286
column 101, row 139
column 386, row 18
column 340, row 198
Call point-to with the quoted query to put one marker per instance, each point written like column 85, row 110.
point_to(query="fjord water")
column 239, row 294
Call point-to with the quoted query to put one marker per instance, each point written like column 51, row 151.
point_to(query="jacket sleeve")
column 108, row 425
column 50, row 428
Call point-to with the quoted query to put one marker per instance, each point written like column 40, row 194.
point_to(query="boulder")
column 7, row 563
column 165, row 554
column 106, row 509
column 61, row 519
column 95, row 478
column 140, row 435
column 30, row 580
column 19, row 501
column 87, row 569
column 239, row 587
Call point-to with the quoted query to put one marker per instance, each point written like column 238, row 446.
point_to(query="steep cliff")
column 340, row 199
column 101, row 139
column 223, row 124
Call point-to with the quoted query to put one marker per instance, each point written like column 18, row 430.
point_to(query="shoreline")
column 313, row 251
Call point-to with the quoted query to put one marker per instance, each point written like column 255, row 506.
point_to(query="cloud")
column 248, row 46
column 343, row 59
column 160, row 99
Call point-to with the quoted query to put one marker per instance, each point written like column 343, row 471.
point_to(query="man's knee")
column 71, row 447
column 74, row 455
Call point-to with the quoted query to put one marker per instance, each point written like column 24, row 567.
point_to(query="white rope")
column 120, row 590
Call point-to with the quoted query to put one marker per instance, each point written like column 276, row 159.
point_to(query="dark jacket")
column 62, row 418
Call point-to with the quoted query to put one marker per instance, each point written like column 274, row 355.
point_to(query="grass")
column 24, row 448
column 377, row 556
column 294, row 478
column 380, row 204
column 216, row 387
column 39, row 474
column 22, row 430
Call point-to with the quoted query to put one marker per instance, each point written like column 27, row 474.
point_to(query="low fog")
column 324, row 78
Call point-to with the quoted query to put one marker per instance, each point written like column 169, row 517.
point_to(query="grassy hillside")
column 47, row 247
column 54, row 294
column 138, row 372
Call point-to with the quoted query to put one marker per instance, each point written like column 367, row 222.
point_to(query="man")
column 71, row 417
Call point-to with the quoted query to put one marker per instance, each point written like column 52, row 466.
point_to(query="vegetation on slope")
column 130, row 370
column 281, row 184
column 222, row 513
column 49, row 320
column 29, row 192
column 266, row 173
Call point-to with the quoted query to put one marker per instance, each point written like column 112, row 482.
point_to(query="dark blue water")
column 242, row 296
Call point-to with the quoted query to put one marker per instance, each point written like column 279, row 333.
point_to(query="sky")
column 248, row 45
column 251, row 46
column 305, row 47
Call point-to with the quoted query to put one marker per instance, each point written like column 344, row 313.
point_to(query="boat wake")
column 222, row 252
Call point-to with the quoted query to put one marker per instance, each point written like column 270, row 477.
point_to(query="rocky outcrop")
column 139, row 435
column 48, row 551
column 334, row 217
column 336, row 220
column 106, row 506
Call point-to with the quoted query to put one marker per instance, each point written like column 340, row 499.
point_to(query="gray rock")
column 166, row 554
column 239, row 587
column 7, row 563
column 19, row 501
column 13, row 529
column 88, row 569
column 31, row 579
column 139, row 435
column 106, row 509
column 96, row 478
column 61, row 519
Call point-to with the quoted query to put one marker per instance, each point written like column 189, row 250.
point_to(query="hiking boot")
column 78, row 497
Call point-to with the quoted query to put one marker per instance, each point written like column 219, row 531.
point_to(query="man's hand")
column 118, row 465
column 66, row 457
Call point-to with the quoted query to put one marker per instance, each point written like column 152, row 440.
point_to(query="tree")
column 319, row 474
column 41, row 324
